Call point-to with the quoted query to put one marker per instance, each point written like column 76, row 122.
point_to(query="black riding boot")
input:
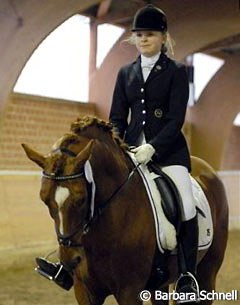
column 188, row 247
column 54, row 272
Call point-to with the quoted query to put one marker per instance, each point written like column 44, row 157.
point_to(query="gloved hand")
column 144, row 153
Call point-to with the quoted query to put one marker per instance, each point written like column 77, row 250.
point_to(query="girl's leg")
column 188, row 235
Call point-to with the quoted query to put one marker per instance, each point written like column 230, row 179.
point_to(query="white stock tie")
column 147, row 63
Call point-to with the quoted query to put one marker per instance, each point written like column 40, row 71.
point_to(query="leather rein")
column 66, row 240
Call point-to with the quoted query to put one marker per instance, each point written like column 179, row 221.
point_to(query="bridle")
column 66, row 240
column 53, row 176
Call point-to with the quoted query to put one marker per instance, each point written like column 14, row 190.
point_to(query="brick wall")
column 36, row 121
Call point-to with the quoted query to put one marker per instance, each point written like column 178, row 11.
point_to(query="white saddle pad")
column 165, row 231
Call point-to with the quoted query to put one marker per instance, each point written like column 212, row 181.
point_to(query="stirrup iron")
column 58, row 274
column 194, row 285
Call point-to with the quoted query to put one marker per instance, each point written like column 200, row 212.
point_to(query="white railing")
column 231, row 181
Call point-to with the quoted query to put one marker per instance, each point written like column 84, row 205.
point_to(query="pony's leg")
column 80, row 290
column 128, row 296
column 206, row 275
column 208, row 268
column 84, row 298
column 81, row 294
column 155, row 301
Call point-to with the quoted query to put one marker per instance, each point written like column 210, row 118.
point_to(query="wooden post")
column 93, row 47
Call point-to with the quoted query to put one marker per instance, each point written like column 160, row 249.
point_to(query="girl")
column 154, row 91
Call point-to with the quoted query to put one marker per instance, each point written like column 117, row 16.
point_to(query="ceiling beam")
column 103, row 8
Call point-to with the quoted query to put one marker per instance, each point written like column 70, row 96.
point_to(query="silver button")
column 142, row 101
column 143, row 122
column 158, row 113
column 142, row 89
column 144, row 111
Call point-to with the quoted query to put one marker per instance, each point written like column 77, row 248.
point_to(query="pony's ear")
column 34, row 156
column 84, row 155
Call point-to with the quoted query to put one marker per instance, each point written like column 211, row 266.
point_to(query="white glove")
column 143, row 153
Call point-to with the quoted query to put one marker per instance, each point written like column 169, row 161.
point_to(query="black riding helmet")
column 150, row 18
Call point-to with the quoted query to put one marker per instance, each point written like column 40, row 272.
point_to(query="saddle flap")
column 165, row 231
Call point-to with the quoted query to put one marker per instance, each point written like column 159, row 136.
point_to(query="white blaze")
column 62, row 193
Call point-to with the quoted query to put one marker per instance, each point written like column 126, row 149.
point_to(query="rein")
column 102, row 206
column 66, row 240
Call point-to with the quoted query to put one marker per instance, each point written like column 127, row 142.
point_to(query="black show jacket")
column 157, row 107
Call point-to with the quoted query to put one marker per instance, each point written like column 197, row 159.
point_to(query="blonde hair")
column 167, row 47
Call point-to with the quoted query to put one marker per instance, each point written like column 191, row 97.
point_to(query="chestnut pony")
column 111, row 252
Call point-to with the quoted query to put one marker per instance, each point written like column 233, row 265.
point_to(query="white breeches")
column 180, row 176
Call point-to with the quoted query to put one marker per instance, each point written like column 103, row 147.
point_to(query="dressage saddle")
column 171, row 200
column 172, row 206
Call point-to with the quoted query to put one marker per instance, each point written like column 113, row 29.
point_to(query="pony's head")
column 91, row 152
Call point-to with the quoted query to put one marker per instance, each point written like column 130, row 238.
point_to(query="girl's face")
column 149, row 43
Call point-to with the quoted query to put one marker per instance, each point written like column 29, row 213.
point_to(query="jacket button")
column 142, row 89
column 142, row 101
column 158, row 113
column 143, row 122
column 144, row 111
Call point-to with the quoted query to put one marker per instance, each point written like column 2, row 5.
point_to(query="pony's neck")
column 110, row 169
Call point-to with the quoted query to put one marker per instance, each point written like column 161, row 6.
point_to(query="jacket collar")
column 159, row 66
